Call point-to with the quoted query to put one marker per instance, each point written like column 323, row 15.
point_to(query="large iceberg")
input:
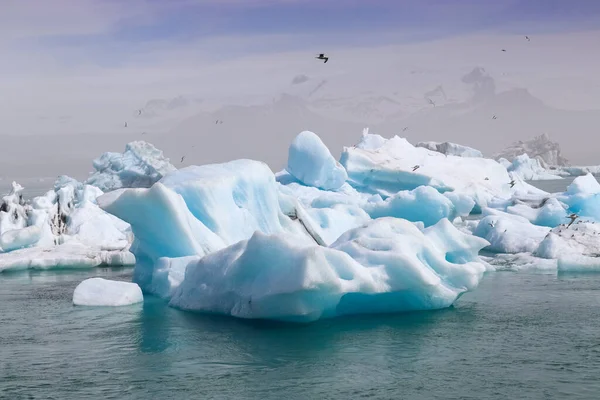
column 65, row 227
column 141, row 165
column 388, row 265
column 396, row 165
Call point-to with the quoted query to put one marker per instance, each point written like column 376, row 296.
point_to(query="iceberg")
column 540, row 148
column 103, row 292
column 509, row 233
column 387, row 265
column 451, row 149
column 530, row 169
column 199, row 210
column 310, row 161
column 576, row 248
column 141, row 165
column 63, row 228
column 397, row 165
column 583, row 197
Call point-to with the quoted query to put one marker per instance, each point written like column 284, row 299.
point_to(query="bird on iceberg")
column 573, row 217
column 322, row 57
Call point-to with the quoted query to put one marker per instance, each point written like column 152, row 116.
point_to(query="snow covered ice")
column 65, row 227
column 395, row 164
column 103, row 292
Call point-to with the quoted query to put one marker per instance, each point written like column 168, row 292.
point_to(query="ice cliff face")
column 540, row 147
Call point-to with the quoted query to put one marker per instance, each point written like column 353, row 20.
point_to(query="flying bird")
column 504, row 50
column 125, row 124
column 322, row 57
column 404, row 129
column 430, row 101
column 512, row 183
column 573, row 217
column 139, row 112
column 416, row 167
column 494, row 117
column 182, row 158
column 527, row 37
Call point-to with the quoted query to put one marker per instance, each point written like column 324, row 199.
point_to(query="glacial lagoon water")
column 521, row 336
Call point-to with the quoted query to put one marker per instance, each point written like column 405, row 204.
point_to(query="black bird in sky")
column 322, row 57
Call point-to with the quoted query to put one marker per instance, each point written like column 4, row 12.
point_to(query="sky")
column 91, row 61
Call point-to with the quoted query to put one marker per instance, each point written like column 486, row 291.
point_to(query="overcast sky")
column 98, row 58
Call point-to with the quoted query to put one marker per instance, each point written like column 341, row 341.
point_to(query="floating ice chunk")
column 310, row 161
column 103, row 292
column 388, row 265
column 140, row 165
column 576, row 248
column 451, row 149
column 583, row 197
column 579, row 238
column 509, row 233
column 397, row 165
column 67, row 214
column 530, row 169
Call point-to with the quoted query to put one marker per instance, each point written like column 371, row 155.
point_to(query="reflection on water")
column 517, row 336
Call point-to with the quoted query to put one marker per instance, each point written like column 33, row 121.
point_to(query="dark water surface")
column 518, row 336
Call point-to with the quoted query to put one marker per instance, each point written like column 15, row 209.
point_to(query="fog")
column 71, row 80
